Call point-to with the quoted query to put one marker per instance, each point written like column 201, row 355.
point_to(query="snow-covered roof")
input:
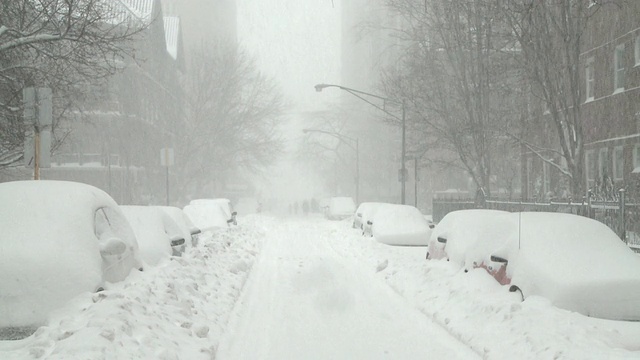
column 171, row 31
column 131, row 10
column 140, row 8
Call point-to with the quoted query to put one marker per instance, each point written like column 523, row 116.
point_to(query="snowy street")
column 304, row 301
column 309, row 288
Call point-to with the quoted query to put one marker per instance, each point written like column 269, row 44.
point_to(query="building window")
column 590, row 167
column 589, row 75
column 603, row 168
column 637, row 50
column 529, row 177
column 618, row 163
column 546, row 178
column 618, row 63
column 636, row 158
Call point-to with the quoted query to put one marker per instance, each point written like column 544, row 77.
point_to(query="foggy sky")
column 297, row 42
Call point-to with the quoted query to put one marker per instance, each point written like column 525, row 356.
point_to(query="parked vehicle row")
column 577, row 263
column 60, row 239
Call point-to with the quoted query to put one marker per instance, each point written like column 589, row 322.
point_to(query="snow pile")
column 174, row 311
column 483, row 314
column 400, row 225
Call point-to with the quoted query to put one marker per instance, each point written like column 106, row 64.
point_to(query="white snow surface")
column 207, row 217
column 400, row 225
column 45, row 260
column 150, row 226
column 308, row 288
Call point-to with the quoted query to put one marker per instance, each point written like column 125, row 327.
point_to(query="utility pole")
column 403, row 170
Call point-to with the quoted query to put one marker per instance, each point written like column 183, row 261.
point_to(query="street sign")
column 166, row 157
column 38, row 117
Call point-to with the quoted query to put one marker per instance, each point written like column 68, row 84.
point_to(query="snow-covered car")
column 159, row 237
column 207, row 216
column 459, row 234
column 225, row 205
column 400, row 225
column 364, row 213
column 340, row 208
column 58, row 240
column 187, row 228
column 577, row 263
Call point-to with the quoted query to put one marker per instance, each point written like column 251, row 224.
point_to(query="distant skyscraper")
column 366, row 47
column 204, row 20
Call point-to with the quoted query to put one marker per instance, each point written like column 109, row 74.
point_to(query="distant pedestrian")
column 305, row 207
column 295, row 208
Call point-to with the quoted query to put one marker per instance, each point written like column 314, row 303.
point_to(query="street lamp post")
column 356, row 148
column 357, row 93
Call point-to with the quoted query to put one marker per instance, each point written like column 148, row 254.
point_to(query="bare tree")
column 233, row 113
column 62, row 44
column 456, row 77
column 550, row 34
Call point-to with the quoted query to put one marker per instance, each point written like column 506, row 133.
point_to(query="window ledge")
column 588, row 100
column 618, row 91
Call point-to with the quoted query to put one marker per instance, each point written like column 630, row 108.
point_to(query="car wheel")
column 515, row 288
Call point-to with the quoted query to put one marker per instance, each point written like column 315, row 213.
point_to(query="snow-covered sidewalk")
column 304, row 301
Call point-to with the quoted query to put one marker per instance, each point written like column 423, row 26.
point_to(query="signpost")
column 38, row 118
column 166, row 160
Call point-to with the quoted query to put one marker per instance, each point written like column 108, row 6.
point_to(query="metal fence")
column 621, row 215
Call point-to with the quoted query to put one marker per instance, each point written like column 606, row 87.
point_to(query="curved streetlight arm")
column 319, row 88
column 335, row 135
column 357, row 93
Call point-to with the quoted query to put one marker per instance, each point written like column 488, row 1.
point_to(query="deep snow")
column 312, row 288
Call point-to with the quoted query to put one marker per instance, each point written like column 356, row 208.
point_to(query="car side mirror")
column 113, row 247
column 234, row 213
column 431, row 226
column 177, row 240
column 499, row 259
column 442, row 240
